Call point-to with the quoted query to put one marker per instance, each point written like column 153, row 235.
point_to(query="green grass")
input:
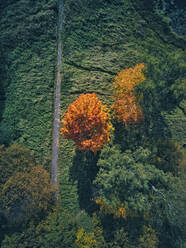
column 28, row 41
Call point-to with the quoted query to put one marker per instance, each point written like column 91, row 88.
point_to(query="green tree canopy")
column 128, row 178
column 14, row 158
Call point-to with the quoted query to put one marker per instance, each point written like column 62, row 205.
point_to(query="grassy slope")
column 99, row 40
column 28, row 42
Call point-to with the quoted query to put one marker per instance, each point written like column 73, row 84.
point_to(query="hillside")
column 131, row 192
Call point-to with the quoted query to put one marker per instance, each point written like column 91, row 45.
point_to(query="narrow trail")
column 56, row 123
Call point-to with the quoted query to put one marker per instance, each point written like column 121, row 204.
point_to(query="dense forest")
column 121, row 166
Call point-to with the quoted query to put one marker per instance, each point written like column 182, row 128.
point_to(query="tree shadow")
column 132, row 136
column 84, row 171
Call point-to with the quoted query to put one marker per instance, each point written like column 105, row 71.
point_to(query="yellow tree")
column 117, row 211
column 87, row 123
column 85, row 240
column 127, row 110
column 127, row 79
column 125, row 106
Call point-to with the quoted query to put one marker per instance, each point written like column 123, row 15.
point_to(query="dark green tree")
column 26, row 195
column 57, row 230
column 168, row 156
column 15, row 158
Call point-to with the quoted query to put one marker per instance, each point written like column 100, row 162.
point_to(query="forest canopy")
column 121, row 167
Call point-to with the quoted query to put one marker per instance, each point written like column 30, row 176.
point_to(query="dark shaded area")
column 89, row 69
column 146, row 9
column 132, row 136
column 84, row 170
column 5, row 3
column 176, row 11
column 3, row 226
column 2, row 79
column 4, row 132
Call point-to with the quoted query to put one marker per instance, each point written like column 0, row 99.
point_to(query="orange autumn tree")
column 125, row 106
column 87, row 123
column 126, row 110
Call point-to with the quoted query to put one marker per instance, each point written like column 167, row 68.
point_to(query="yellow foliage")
column 87, row 123
column 149, row 238
column 126, row 110
column 121, row 212
column 125, row 106
column 117, row 212
column 127, row 79
column 85, row 240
